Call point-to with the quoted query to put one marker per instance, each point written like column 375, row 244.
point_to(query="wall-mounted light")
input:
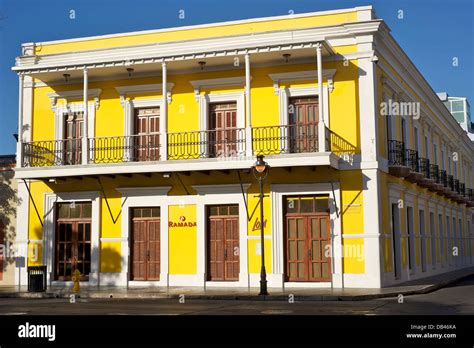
column 201, row 64
column 66, row 77
column 287, row 57
column 166, row 175
column 130, row 71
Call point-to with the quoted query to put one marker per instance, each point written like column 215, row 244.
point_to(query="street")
column 455, row 299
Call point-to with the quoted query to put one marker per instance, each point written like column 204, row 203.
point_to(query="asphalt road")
column 455, row 299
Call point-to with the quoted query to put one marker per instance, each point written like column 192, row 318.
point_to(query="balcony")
column 449, row 190
column 435, row 175
column 397, row 165
column 225, row 148
column 425, row 170
column 413, row 164
column 470, row 197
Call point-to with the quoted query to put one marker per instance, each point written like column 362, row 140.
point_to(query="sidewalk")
column 421, row 286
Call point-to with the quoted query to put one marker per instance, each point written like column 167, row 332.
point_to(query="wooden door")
column 303, row 121
column 307, row 239
column 74, row 130
column 223, row 243
column 73, row 240
column 223, row 130
column 147, row 129
column 145, row 249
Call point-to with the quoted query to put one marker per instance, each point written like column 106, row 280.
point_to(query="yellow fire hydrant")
column 75, row 279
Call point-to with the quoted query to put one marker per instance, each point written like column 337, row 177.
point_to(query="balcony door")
column 147, row 134
column 303, row 124
column 222, row 130
column 74, row 130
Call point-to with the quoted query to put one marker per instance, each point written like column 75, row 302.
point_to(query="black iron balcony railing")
column 132, row 148
column 451, row 182
column 443, row 177
column 412, row 160
column 396, row 153
column 285, row 139
column 456, row 185
column 424, row 166
column 52, row 153
column 462, row 189
column 470, row 194
column 434, row 173
column 228, row 142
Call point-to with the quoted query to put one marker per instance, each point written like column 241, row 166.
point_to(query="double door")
column 303, row 121
column 74, row 131
column 147, row 139
column 223, row 136
column 223, row 252
column 73, row 240
column 145, row 240
column 307, row 240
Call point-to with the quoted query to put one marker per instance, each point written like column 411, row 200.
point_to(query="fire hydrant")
column 75, row 279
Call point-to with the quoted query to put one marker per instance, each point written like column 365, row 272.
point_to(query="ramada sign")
column 182, row 223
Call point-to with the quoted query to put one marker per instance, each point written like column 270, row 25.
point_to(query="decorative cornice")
column 328, row 74
column 149, row 88
column 225, row 81
column 75, row 94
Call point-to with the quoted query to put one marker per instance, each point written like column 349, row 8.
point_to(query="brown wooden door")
column 223, row 133
column 145, row 242
column 307, row 239
column 223, row 243
column 73, row 240
column 147, row 129
column 74, row 130
column 303, row 121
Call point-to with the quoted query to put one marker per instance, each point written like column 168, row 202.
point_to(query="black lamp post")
column 260, row 170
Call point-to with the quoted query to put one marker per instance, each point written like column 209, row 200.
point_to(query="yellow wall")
column 198, row 33
column 182, row 240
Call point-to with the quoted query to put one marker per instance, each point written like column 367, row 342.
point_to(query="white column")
column 19, row 148
column 248, row 128
column 164, row 116
column 86, row 119
column 321, row 124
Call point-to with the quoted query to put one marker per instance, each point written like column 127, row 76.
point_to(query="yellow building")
column 137, row 148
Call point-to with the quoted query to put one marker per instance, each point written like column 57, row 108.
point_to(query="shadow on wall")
column 111, row 262
column 8, row 203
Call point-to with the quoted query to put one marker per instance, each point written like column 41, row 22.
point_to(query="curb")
column 250, row 297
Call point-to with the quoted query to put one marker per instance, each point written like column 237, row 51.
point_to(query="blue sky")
column 432, row 32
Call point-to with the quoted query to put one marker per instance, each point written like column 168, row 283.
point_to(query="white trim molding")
column 278, row 192
column 157, row 88
column 312, row 75
column 286, row 93
column 76, row 95
column 219, row 82
column 50, row 199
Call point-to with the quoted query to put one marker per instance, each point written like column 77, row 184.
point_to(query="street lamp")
column 260, row 170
